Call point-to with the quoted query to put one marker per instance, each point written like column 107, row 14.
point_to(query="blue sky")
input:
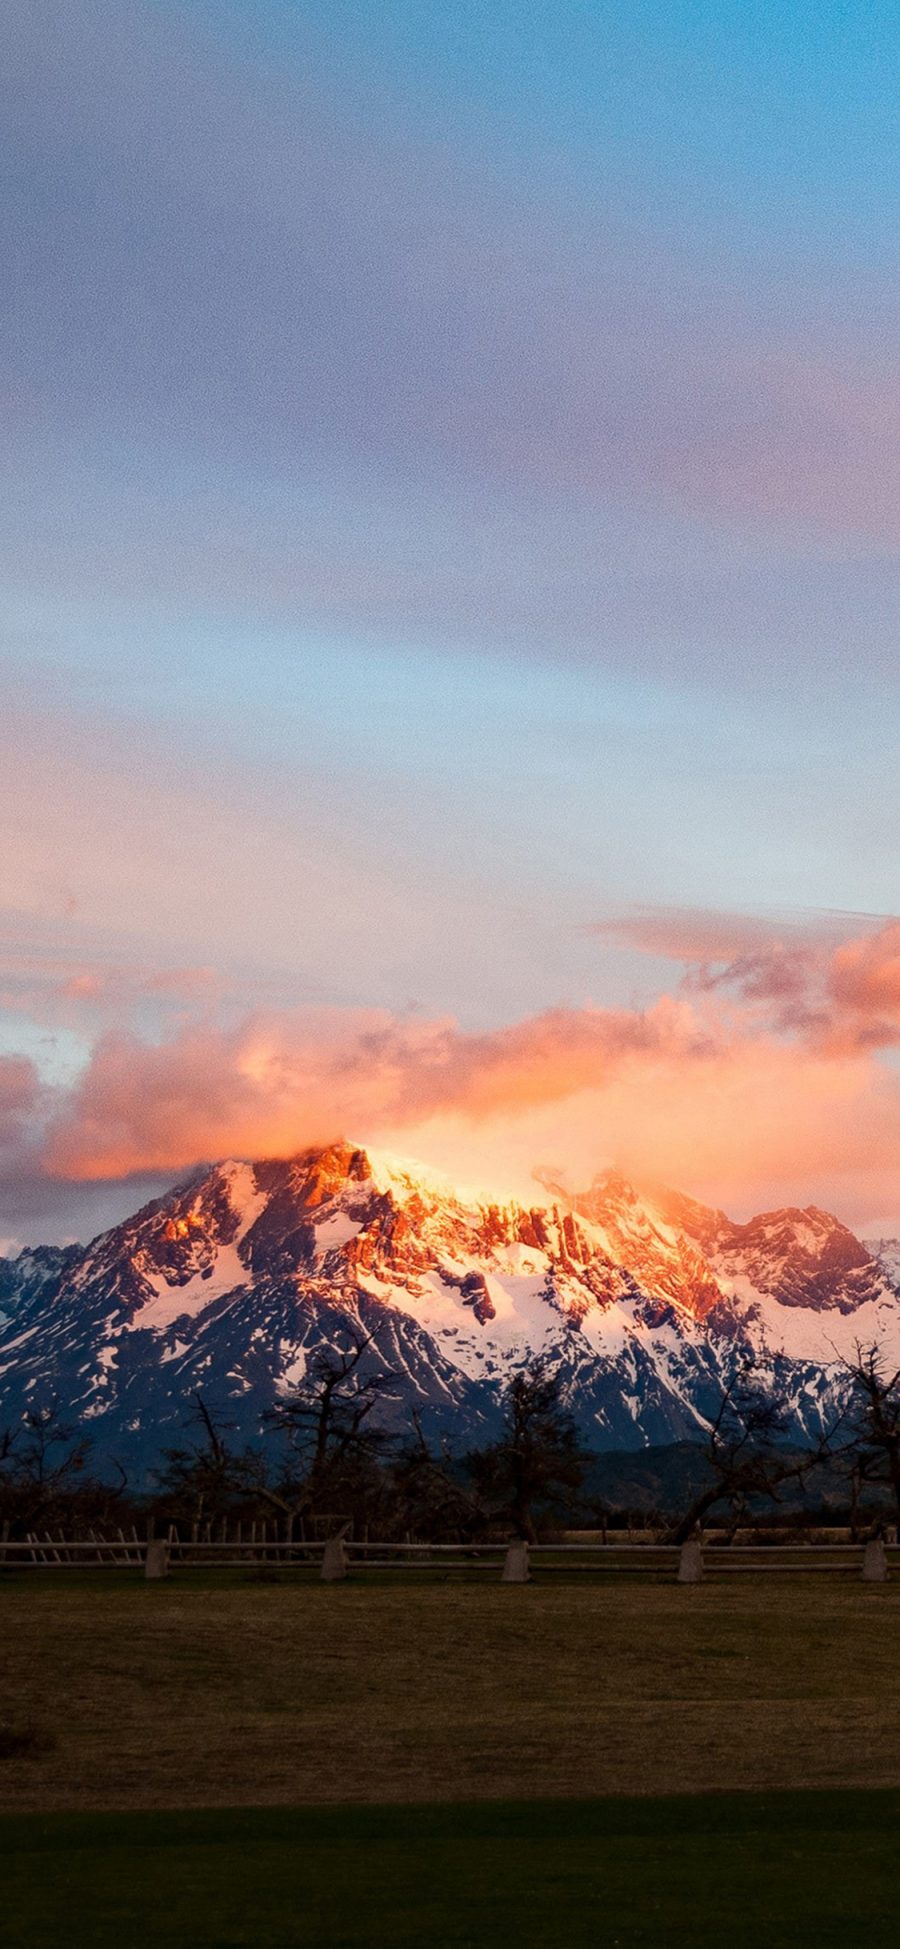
column 768, row 111
column 450, row 502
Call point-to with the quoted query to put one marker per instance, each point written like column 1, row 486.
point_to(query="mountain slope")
column 232, row 1281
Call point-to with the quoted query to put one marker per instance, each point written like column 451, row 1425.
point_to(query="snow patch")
column 335, row 1231
column 171, row 1303
column 292, row 1373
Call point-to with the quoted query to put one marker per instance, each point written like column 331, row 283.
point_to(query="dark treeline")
column 325, row 1461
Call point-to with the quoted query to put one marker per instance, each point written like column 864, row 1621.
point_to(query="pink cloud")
column 864, row 982
column 691, row 934
column 119, row 985
column 839, row 991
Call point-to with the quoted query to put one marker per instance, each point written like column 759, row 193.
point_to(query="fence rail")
column 337, row 1557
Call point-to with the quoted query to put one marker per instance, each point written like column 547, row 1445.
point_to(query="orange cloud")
column 279, row 1081
column 683, row 1092
column 766, row 1079
column 760, row 1123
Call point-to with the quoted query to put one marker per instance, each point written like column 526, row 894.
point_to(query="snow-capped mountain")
column 230, row 1282
column 886, row 1251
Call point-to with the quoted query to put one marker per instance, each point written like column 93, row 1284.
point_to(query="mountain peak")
column 324, row 1172
column 233, row 1280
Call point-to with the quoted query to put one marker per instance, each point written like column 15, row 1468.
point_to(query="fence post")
column 334, row 1561
column 874, row 1567
column 515, row 1564
column 156, row 1561
column 690, row 1562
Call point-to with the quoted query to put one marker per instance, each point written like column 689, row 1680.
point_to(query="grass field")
column 241, row 1694
column 616, row 1764
column 756, row 1873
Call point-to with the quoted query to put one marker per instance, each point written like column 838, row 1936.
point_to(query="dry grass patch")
column 19, row 1741
column 244, row 1695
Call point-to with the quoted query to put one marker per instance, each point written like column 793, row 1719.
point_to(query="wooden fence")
column 338, row 1557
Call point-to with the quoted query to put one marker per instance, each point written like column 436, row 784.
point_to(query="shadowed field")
column 117, row 1694
column 757, row 1873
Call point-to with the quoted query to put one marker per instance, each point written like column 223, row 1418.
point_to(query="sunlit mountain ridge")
column 648, row 1301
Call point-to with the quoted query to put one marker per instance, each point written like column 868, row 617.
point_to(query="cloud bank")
column 764, row 1077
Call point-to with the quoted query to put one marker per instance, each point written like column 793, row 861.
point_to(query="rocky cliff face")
column 231, row 1282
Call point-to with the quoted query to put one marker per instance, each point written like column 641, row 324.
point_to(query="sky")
column 449, row 570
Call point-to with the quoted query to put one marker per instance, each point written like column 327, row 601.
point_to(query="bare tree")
column 432, row 1500
column 746, row 1453
column 43, row 1465
column 873, row 1419
column 203, row 1478
column 538, row 1459
column 333, row 1433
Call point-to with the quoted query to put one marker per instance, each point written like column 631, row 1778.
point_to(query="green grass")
column 449, row 1765
column 755, row 1871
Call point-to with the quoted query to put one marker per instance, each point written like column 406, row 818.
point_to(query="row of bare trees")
column 328, row 1459
column 46, row 1477
column 750, row 1465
